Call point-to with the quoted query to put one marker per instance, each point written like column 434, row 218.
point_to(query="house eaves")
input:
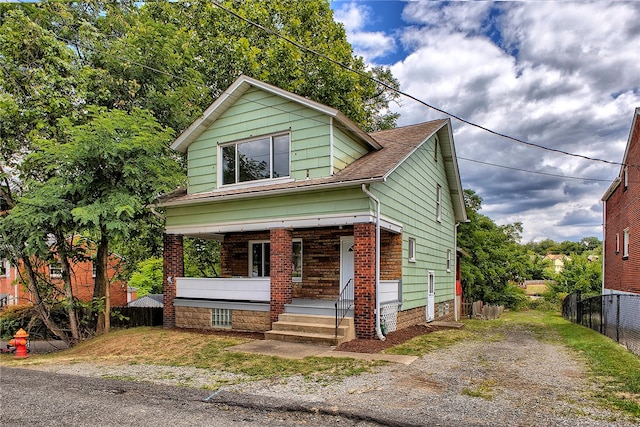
column 239, row 88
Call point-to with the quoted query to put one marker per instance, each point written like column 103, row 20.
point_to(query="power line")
column 216, row 92
column 533, row 172
column 387, row 86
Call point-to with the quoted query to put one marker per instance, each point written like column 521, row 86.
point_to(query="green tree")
column 147, row 278
column 495, row 259
column 580, row 275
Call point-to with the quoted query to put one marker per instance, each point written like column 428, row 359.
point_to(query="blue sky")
column 564, row 75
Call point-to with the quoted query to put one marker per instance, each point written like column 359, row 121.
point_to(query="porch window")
column 256, row 159
column 259, row 253
column 412, row 249
column 297, row 260
column 259, row 263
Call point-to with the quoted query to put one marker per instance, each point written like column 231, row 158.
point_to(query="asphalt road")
column 35, row 398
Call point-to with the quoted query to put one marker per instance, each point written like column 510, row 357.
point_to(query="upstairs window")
column 617, row 243
column 438, row 203
column 256, row 159
column 4, row 267
column 625, row 244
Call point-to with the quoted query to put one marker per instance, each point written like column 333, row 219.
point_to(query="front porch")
column 280, row 286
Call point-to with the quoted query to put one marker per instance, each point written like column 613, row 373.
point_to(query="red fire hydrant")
column 19, row 341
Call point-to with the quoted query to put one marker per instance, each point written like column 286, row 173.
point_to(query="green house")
column 320, row 223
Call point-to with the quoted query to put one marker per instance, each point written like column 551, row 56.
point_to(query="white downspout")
column 381, row 337
column 455, row 281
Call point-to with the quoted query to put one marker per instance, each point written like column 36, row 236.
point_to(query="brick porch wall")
column 364, row 279
column 173, row 266
column 281, row 269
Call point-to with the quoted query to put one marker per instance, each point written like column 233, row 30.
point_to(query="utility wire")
column 387, row 86
column 531, row 171
column 216, row 92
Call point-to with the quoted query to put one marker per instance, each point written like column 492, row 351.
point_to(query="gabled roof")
column 625, row 160
column 396, row 146
column 239, row 88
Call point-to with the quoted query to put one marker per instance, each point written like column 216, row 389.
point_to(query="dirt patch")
column 393, row 338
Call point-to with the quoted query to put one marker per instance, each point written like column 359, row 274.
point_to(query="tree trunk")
column 68, row 290
column 41, row 309
column 101, row 287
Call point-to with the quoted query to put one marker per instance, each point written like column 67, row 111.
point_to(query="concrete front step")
column 311, row 329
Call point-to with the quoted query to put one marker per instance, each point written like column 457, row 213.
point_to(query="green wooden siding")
column 309, row 203
column 345, row 150
column 259, row 113
column 409, row 196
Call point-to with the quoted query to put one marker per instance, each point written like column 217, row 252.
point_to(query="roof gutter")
column 377, row 202
column 214, row 197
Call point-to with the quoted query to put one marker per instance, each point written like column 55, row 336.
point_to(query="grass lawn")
column 614, row 369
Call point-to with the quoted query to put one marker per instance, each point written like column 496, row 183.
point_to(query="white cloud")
column 560, row 74
column 368, row 44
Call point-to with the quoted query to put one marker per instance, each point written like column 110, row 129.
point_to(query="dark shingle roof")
column 397, row 144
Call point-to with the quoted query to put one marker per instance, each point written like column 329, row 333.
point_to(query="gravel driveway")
column 516, row 380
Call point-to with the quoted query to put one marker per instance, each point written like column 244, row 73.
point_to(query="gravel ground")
column 516, row 381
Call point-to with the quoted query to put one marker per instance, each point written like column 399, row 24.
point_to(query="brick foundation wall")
column 364, row 280
column 623, row 211
column 193, row 317
column 252, row 321
column 417, row 316
column 173, row 266
column 241, row 320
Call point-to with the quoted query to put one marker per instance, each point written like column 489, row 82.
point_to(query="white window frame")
column 237, row 181
column 55, row 270
column 4, row 267
column 626, row 177
column 258, row 242
column 293, row 277
column 617, row 243
column 625, row 244
column 448, row 260
column 411, row 255
column 438, row 203
column 268, row 242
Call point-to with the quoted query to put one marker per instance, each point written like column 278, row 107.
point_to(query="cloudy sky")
column 563, row 75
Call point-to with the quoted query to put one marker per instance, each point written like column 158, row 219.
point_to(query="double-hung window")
column 625, row 244
column 256, row 159
column 438, row 203
column 259, row 259
column 4, row 267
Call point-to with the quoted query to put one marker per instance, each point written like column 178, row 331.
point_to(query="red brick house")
column 621, row 252
column 14, row 292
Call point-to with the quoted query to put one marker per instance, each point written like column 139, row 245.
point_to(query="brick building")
column 621, row 273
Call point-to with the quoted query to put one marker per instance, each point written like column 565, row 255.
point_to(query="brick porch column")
column 173, row 266
column 281, row 270
column 365, row 280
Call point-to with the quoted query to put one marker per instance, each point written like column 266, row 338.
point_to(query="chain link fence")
column 615, row 315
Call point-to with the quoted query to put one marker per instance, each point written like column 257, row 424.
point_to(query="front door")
column 431, row 296
column 346, row 264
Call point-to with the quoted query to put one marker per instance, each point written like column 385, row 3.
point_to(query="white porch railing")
column 233, row 289
column 252, row 289
column 389, row 291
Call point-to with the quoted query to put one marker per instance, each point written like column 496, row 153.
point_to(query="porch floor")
column 314, row 307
